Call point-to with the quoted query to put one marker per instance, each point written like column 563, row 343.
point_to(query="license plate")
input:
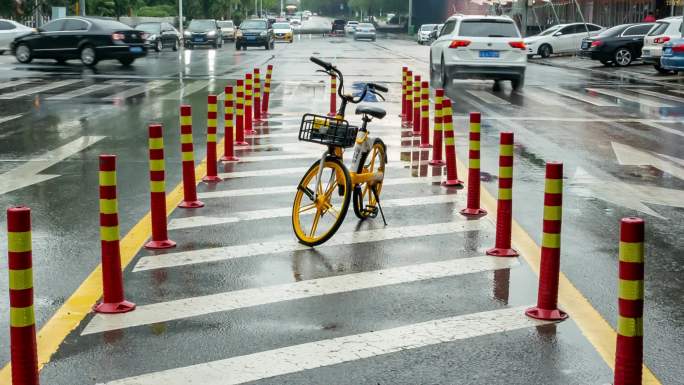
column 585, row 45
column 667, row 51
column 646, row 52
column 489, row 53
column 251, row 37
column 197, row 39
column 136, row 49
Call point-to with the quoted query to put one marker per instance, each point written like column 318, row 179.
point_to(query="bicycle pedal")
column 372, row 211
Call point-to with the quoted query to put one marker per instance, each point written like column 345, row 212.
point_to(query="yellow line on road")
column 590, row 322
column 79, row 305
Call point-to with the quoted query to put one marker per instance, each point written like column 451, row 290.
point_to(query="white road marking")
column 38, row 89
column 27, row 173
column 487, row 97
column 250, row 250
column 14, row 83
column 658, row 95
column 83, row 91
column 137, row 90
column 287, row 171
column 239, row 299
column 186, row 90
column 582, row 97
column 662, row 128
column 542, row 98
column 630, row 156
column 184, row 223
column 290, row 189
column 297, row 358
column 267, row 158
column 630, row 98
column 4, row 119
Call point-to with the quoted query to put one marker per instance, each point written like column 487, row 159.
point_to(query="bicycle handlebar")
column 326, row 65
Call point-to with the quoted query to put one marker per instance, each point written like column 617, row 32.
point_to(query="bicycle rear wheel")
column 319, row 210
column 365, row 204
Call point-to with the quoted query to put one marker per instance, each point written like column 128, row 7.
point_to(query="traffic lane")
column 592, row 214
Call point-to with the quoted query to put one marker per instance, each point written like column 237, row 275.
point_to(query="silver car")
column 424, row 34
column 227, row 29
column 365, row 31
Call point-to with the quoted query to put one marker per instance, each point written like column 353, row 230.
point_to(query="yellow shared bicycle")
column 324, row 193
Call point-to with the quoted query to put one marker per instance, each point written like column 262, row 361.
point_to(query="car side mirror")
column 557, row 34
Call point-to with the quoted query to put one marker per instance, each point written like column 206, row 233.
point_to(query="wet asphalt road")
column 580, row 117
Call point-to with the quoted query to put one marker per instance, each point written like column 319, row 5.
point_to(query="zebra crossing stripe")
column 287, row 171
column 38, row 89
column 185, row 223
column 4, row 119
column 14, row 83
column 488, row 97
column 312, row 355
column 630, row 98
column 160, row 261
column 581, row 97
column 84, row 91
column 185, row 91
column 240, row 299
column 137, row 90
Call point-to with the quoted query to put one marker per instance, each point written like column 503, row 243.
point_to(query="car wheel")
column 175, row 45
column 126, row 61
column 443, row 75
column 158, row 46
column 622, row 57
column 267, row 46
column 23, row 54
column 661, row 69
column 545, row 51
column 518, row 83
column 237, row 47
column 88, row 55
column 273, row 45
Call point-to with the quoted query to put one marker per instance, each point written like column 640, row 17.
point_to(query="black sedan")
column 86, row 38
column 619, row 45
column 203, row 32
column 254, row 33
column 160, row 35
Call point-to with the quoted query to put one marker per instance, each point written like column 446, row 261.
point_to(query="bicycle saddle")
column 373, row 111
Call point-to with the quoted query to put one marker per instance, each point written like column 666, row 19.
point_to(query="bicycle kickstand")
column 377, row 199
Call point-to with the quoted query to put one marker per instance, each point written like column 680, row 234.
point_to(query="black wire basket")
column 328, row 131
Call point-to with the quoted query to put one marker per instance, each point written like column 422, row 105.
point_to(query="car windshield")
column 281, row 26
column 339, row 22
column 659, row 29
column 427, row 27
column 612, row 31
column 149, row 27
column 253, row 24
column 202, row 25
column 112, row 24
column 551, row 30
column 225, row 24
column 488, row 28
column 353, row 23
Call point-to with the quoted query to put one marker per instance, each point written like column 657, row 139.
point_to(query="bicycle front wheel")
column 319, row 208
column 365, row 204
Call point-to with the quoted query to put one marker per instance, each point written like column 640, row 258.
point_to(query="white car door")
column 442, row 42
column 7, row 33
column 564, row 39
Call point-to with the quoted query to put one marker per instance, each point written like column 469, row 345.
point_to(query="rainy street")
column 417, row 301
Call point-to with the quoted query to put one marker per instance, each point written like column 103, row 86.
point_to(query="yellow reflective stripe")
column 211, row 122
column 188, row 156
column 156, row 164
column 632, row 252
column 553, row 186
column 22, row 316
column 229, row 110
column 186, row 120
column 108, row 206
column 474, row 145
column 248, row 102
column 248, row 93
column 449, row 141
column 630, row 327
column 21, row 279
column 505, row 194
column 186, row 138
column 474, row 127
column 19, row 241
column 553, row 213
column 109, row 233
column 240, row 112
column 631, row 289
column 425, row 114
column 438, row 127
column 448, row 127
column 506, row 150
column 211, row 138
column 506, row 172
column 107, row 178
column 267, row 89
column 473, row 163
column 211, row 108
column 157, row 186
column 551, row 241
column 156, row 143
column 408, row 97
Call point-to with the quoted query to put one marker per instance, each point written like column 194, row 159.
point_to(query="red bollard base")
column 473, row 212
column 406, row 124
column 211, row 179
column 229, row 159
column 250, row 132
column 416, row 133
column 547, row 315
column 426, row 145
column 191, row 205
column 113, row 308
column 241, row 144
column 452, row 183
column 496, row 252
column 167, row 244
column 439, row 163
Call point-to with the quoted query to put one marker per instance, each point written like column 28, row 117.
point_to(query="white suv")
column 479, row 47
column 665, row 30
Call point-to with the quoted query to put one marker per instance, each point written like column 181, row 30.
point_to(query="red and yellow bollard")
column 23, row 349
column 629, row 348
column 425, row 115
column 404, row 70
column 257, row 95
column 504, row 207
column 160, row 237
column 408, row 121
column 113, row 300
column 449, row 145
column 228, row 113
column 240, row 115
column 416, row 105
column 190, row 200
column 437, row 136
column 473, row 208
column 212, row 119
column 549, row 266
column 249, row 101
column 267, row 89
column 333, row 96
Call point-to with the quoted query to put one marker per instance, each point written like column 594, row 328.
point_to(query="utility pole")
column 410, row 16
column 256, row 7
column 180, row 21
column 81, row 8
column 281, row 7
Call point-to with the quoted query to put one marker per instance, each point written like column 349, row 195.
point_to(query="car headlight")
column 211, row 33
column 263, row 33
column 187, row 34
